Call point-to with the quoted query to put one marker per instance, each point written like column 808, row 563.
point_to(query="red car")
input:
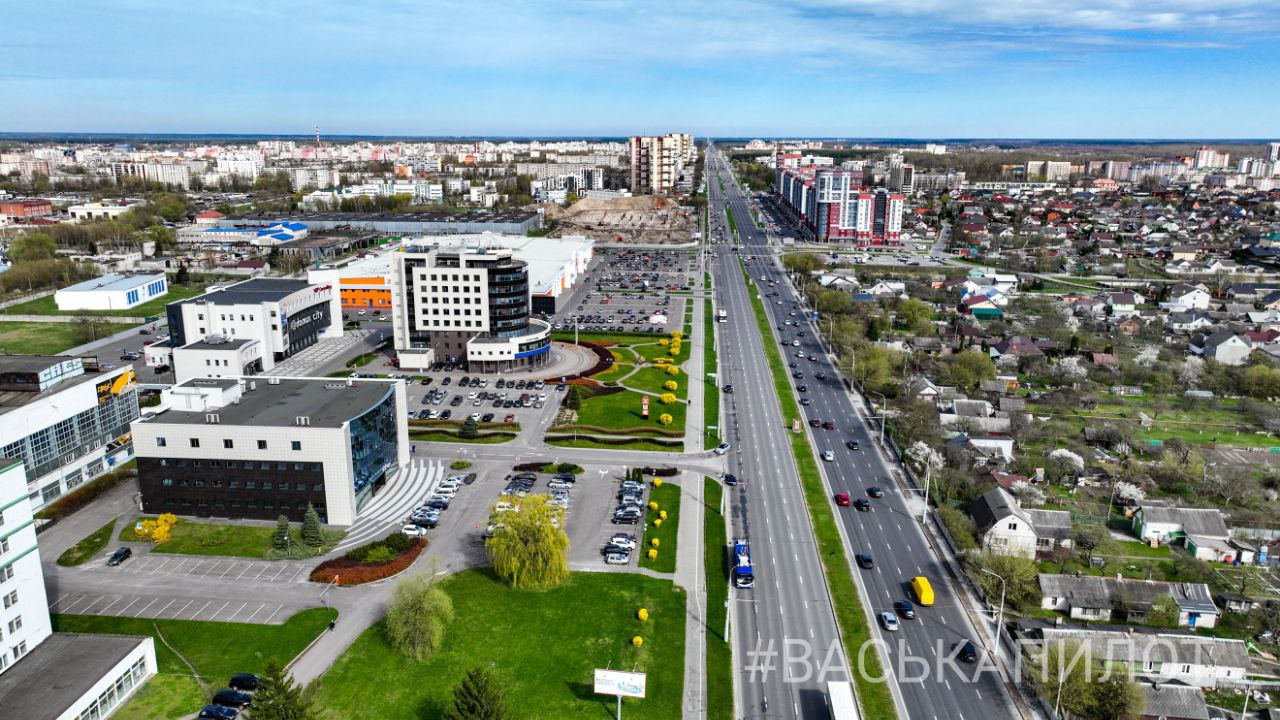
column 842, row 499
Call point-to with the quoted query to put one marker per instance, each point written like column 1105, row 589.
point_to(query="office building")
column 46, row 675
column 66, row 418
column 265, row 447
column 833, row 206
column 101, row 210
column 656, row 162
column 25, row 208
column 467, row 306
column 262, row 321
column 112, row 292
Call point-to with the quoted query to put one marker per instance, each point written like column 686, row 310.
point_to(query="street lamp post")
column 884, row 414
column 995, row 636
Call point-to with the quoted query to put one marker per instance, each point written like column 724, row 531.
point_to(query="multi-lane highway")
column 786, row 645
column 889, row 532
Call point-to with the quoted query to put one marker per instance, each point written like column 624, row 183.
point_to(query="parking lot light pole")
column 995, row 636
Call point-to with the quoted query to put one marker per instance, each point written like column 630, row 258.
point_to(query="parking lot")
column 175, row 608
column 633, row 291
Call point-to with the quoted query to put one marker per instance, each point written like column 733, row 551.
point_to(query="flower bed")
column 372, row 561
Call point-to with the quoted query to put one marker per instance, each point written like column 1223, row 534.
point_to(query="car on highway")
column 728, row 388
column 875, row 491
column 802, row 388
column 828, row 425
column 842, row 499
column 805, row 401
column 119, row 556
column 722, row 448
column 967, row 652
column 815, row 422
column 864, row 561
column 862, row 505
column 828, row 456
column 905, row 609
column 889, row 621
column 853, row 445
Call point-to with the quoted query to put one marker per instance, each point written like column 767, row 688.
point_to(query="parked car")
column 413, row 530
column 616, row 558
column 730, row 479
column 623, row 540
column 244, row 682
column 232, row 698
column 218, row 712
column 119, row 556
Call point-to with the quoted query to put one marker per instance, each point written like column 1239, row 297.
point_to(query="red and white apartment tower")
column 834, row 206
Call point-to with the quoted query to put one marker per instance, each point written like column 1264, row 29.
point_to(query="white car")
column 828, row 456
column 473, row 395
column 623, row 540
column 722, row 448
column 614, row 558
column 414, row 531
column 502, row 506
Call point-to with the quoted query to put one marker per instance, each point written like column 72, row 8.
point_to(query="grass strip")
column 711, row 387
column 668, row 499
column 82, row 551
column 874, row 696
column 719, row 655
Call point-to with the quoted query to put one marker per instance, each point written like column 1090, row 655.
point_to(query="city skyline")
column 1103, row 69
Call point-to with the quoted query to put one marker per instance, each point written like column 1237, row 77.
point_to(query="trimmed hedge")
column 642, row 430
column 563, row 467
column 85, row 494
column 660, row 472
column 361, row 564
column 619, row 441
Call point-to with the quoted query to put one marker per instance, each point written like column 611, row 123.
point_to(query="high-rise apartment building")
column 657, row 161
column 1207, row 157
column 1273, row 152
column 465, row 306
column 833, row 206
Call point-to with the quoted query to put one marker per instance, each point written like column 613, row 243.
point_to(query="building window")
column 295, row 445
column 160, row 442
column 15, row 625
column 167, row 482
column 11, row 599
column 251, row 485
column 262, row 444
column 195, row 442
column 227, row 444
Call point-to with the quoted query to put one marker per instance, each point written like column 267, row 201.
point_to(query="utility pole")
column 995, row 636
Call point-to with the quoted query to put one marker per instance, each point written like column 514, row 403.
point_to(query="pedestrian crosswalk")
column 394, row 503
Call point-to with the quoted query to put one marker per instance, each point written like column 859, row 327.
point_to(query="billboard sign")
column 644, row 407
column 622, row 684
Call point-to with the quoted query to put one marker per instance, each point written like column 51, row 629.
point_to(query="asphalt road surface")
column 890, row 531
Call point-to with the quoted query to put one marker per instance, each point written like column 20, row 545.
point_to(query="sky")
column 729, row 68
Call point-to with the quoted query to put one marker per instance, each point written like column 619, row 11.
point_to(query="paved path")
column 691, row 575
column 323, row 353
column 388, row 510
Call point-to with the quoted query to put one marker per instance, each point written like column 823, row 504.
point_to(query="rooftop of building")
column 13, row 399
column 114, row 281
column 255, row 290
column 475, row 216
column 216, row 342
column 278, row 402
column 60, row 671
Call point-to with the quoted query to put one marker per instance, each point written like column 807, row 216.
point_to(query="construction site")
column 647, row 219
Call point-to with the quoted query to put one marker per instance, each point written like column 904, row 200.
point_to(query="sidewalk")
column 691, row 575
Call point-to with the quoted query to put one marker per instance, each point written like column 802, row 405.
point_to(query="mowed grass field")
column 542, row 646
column 45, row 338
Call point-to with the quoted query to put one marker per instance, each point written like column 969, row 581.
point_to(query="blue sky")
column 865, row 68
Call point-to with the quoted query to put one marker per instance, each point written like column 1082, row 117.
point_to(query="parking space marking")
column 125, row 610
column 197, row 613
column 255, row 612
column 166, row 607
column 219, row 610
column 65, row 608
column 237, row 611
column 273, row 613
column 109, row 605
column 179, row 611
column 144, row 609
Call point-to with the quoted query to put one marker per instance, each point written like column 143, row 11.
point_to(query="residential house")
column 1188, row 321
column 1183, row 296
column 1223, row 346
column 1162, row 525
column 1173, row 701
column 1163, row 656
column 1123, row 304
column 1098, row 599
column 1004, row 526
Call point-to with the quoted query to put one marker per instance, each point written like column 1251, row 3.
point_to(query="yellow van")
column 923, row 590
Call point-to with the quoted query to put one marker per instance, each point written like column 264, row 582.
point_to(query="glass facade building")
column 374, row 447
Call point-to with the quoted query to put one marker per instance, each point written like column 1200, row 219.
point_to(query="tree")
column 1069, row 371
column 1021, row 586
column 312, row 534
column 279, row 697
column 478, row 697
column 417, row 616
column 1092, row 539
column 89, row 328
column 573, row 398
column 470, row 428
column 33, row 246
column 183, row 276
column 915, row 315
column 1115, row 696
column 531, row 550
column 1164, row 612
column 280, row 539
column 965, row 370
column 1065, row 675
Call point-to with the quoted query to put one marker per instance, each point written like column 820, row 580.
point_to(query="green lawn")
column 710, row 385
column 47, row 306
column 198, row 538
column 82, row 551
column 668, row 499
column 584, row 441
column 855, row 632
column 217, row 650
column 616, row 338
column 613, row 372
column 621, row 411
column 651, row 352
column 443, row 436
column 651, row 379
column 716, row 562
column 541, row 645
column 47, row 338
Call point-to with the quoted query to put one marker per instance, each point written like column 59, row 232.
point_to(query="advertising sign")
column 623, row 684
column 644, row 407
